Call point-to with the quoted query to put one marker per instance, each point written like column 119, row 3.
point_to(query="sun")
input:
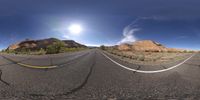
column 75, row 29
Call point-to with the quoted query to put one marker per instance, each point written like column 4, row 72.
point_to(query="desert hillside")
column 147, row 52
column 44, row 43
column 146, row 46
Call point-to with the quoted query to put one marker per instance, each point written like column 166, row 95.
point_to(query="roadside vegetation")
column 147, row 57
column 55, row 48
column 102, row 47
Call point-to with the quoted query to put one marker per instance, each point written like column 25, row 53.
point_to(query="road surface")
column 89, row 75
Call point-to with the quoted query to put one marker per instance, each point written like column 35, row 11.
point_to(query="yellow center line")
column 38, row 67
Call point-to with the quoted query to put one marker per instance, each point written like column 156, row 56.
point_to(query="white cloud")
column 129, row 36
column 129, row 31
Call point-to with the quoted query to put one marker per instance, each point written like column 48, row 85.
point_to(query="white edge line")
column 148, row 72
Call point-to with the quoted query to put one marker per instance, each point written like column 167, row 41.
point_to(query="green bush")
column 185, row 51
column 141, row 58
column 102, row 47
column 56, row 47
column 51, row 49
column 10, row 51
column 41, row 51
column 133, row 57
column 190, row 51
column 23, row 51
column 3, row 50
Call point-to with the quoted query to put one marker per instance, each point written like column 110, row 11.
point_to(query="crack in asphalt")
column 68, row 62
column 2, row 79
column 7, row 64
column 12, row 61
column 72, row 60
column 193, row 64
column 80, row 86
column 85, row 80
column 15, row 62
column 51, row 61
column 147, row 72
column 46, row 69
column 137, row 69
column 164, row 67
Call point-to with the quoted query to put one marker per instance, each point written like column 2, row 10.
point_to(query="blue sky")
column 174, row 23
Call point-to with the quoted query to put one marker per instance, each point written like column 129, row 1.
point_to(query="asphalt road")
column 89, row 75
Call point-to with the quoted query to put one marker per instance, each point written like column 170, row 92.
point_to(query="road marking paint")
column 30, row 66
column 38, row 67
column 147, row 72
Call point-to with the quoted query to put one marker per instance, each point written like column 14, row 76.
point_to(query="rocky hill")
column 43, row 43
column 146, row 46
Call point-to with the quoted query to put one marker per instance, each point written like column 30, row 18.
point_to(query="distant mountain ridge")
column 146, row 46
column 43, row 43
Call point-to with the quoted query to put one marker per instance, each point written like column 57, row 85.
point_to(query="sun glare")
column 75, row 29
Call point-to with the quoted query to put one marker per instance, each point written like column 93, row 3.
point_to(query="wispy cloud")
column 128, row 35
column 130, row 30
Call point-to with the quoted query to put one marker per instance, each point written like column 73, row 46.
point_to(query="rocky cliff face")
column 37, row 44
column 71, row 43
column 146, row 46
column 13, row 47
column 124, row 47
